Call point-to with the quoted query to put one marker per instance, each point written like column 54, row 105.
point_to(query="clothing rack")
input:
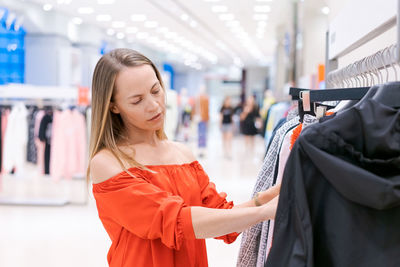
column 366, row 71
column 41, row 96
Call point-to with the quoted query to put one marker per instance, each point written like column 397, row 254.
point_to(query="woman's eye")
column 137, row 102
column 156, row 91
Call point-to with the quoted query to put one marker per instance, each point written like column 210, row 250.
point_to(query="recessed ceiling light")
column 325, row 10
column 226, row 17
column 184, row 17
column 163, row 29
column 85, row 10
column 105, row 2
column 131, row 30
column 262, row 24
column 77, row 20
column 219, row 9
column 138, row 17
column 118, row 24
column 232, row 23
column 103, row 17
column 120, row 35
column 193, row 24
column 264, row 0
column 263, row 9
column 260, row 16
column 110, row 31
column 142, row 35
column 151, row 24
column 212, row 1
column 47, row 7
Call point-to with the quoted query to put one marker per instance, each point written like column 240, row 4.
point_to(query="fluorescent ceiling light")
column 77, row 20
column 138, row 17
column 47, row 7
column 110, row 31
column 131, row 30
column 103, row 17
column 263, row 9
column 264, row 0
column 120, row 35
column 151, row 24
column 260, row 16
column 212, row 1
column 219, row 9
column 105, row 2
column 85, row 10
column 118, row 24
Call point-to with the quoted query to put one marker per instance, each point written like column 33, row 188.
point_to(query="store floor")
column 72, row 235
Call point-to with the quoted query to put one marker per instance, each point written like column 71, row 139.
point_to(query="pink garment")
column 283, row 157
column 39, row 144
column 4, row 120
column 68, row 144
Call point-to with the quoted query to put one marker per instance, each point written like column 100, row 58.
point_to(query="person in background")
column 153, row 197
column 226, row 122
column 248, row 119
column 202, row 110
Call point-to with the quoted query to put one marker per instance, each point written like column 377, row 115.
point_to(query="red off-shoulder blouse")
column 148, row 217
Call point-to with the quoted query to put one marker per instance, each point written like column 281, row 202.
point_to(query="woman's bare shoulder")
column 184, row 150
column 103, row 166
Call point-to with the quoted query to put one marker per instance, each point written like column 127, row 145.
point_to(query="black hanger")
column 338, row 94
column 388, row 94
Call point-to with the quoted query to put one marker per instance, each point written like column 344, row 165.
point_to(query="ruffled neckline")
column 149, row 166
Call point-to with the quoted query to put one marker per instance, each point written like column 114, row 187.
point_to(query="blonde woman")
column 153, row 198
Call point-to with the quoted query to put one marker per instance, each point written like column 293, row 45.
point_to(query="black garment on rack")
column 45, row 136
column 339, row 203
column 31, row 154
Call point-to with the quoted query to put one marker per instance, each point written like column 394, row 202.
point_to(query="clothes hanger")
column 389, row 93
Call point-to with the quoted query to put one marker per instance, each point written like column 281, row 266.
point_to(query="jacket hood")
column 362, row 148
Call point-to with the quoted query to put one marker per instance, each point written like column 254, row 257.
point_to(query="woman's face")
column 139, row 98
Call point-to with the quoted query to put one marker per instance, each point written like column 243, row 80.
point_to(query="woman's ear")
column 114, row 108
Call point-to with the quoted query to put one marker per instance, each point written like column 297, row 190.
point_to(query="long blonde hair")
column 107, row 127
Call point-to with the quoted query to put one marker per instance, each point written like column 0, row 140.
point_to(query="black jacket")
column 340, row 196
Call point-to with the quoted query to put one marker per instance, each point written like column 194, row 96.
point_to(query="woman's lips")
column 155, row 117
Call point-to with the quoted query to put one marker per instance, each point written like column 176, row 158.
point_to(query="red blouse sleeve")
column 144, row 209
column 212, row 199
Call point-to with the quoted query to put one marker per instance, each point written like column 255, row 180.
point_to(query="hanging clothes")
column 45, row 136
column 40, row 146
column 4, row 119
column 15, row 139
column 31, row 155
column 339, row 203
column 250, row 244
column 68, row 144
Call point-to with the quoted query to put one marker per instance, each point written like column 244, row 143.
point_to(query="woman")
column 153, row 198
column 227, row 112
column 248, row 120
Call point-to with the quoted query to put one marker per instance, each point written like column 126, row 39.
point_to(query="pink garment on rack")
column 68, row 144
column 4, row 120
column 39, row 144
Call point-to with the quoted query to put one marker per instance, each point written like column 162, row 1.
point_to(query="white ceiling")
column 190, row 29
